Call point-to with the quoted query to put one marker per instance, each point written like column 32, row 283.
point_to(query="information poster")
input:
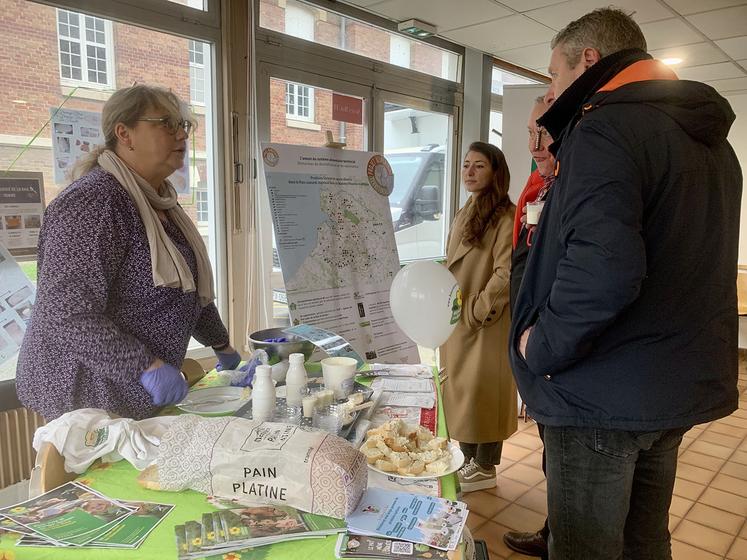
column 21, row 210
column 16, row 300
column 76, row 133
column 334, row 235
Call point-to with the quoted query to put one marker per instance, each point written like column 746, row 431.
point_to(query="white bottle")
column 295, row 380
column 263, row 394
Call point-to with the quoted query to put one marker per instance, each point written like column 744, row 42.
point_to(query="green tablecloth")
column 118, row 480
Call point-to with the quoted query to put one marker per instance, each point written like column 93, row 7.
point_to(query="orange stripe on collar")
column 638, row 72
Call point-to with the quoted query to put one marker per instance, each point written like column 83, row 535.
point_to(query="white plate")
column 215, row 400
column 457, row 460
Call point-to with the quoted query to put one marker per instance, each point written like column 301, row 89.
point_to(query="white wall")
column 517, row 104
column 738, row 140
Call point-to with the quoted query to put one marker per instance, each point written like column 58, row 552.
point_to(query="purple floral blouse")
column 99, row 321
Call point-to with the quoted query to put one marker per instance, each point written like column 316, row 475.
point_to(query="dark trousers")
column 484, row 454
column 609, row 491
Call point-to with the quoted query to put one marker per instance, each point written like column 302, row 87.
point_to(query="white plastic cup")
column 338, row 375
column 534, row 209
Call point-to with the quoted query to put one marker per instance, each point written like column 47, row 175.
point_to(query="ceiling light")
column 671, row 61
column 19, row 101
column 417, row 28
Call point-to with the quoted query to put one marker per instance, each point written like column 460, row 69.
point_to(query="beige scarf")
column 169, row 267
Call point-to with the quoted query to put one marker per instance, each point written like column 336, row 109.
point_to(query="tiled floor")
column 708, row 517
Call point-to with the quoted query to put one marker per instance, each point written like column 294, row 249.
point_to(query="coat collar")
column 461, row 250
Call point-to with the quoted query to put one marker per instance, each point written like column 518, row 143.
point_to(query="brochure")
column 234, row 529
column 352, row 545
column 428, row 520
column 130, row 533
column 403, row 385
column 70, row 514
column 401, row 370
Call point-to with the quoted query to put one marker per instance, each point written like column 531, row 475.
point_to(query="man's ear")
column 590, row 56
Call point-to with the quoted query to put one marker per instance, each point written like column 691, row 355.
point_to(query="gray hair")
column 126, row 106
column 607, row 30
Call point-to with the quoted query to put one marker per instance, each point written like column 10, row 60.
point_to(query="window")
column 85, row 50
column 296, row 18
column 197, row 72
column 299, row 102
column 201, row 202
column 399, row 51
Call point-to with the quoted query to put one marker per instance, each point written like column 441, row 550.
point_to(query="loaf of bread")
column 260, row 463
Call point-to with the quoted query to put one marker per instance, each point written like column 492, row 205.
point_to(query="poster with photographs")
column 76, row 133
column 17, row 295
column 21, row 210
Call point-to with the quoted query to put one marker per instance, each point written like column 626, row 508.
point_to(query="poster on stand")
column 334, row 236
column 17, row 296
column 21, row 211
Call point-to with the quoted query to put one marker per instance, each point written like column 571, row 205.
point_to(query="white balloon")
column 426, row 302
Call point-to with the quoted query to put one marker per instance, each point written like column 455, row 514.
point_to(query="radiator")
column 17, row 427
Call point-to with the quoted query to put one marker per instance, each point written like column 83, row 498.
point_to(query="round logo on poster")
column 270, row 156
column 380, row 175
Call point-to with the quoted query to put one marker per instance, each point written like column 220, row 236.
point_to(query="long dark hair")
column 489, row 204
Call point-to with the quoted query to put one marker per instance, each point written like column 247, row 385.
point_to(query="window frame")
column 294, row 116
column 193, row 67
column 84, row 43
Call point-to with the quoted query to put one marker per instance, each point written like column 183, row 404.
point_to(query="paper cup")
column 338, row 375
column 534, row 209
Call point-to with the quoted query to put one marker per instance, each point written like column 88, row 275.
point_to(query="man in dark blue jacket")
column 624, row 332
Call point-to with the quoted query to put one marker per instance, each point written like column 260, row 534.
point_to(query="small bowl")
column 278, row 351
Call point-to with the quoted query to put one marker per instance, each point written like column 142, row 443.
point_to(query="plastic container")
column 263, row 394
column 296, row 379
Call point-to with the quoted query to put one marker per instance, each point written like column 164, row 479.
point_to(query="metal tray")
column 246, row 410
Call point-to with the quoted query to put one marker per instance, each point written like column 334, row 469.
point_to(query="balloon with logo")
column 426, row 302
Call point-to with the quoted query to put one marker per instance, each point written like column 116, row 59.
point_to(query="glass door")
column 300, row 108
column 418, row 140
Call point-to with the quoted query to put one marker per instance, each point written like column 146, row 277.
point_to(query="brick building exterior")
column 32, row 84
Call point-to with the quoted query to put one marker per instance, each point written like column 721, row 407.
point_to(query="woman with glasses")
column 124, row 278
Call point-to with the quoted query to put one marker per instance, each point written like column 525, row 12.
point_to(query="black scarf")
column 566, row 109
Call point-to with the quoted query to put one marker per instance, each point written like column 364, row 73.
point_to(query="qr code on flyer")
column 402, row 548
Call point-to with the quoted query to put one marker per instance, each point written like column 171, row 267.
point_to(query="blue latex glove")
column 249, row 369
column 165, row 384
column 227, row 360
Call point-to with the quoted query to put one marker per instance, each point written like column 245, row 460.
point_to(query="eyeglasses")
column 171, row 124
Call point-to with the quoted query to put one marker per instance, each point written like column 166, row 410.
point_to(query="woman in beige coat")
column 479, row 394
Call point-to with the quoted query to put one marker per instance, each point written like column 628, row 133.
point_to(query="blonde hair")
column 607, row 30
column 126, row 106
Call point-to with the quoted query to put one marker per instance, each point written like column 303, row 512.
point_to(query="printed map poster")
column 335, row 240
column 21, row 211
column 17, row 296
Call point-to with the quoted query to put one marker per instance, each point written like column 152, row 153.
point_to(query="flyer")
column 129, row 533
column 428, row 520
column 335, row 239
column 21, row 211
column 71, row 514
column 17, row 295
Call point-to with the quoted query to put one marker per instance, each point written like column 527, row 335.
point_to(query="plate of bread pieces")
column 408, row 451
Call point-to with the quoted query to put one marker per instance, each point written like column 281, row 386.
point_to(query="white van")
column 417, row 200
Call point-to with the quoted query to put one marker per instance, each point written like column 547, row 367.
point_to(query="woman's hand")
column 228, row 358
column 164, row 383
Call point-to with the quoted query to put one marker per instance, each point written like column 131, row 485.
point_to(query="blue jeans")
column 609, row 491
